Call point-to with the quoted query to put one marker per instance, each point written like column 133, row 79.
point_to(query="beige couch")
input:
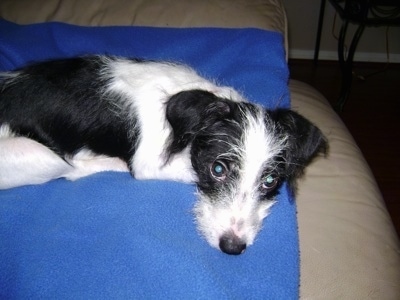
column 349, row 249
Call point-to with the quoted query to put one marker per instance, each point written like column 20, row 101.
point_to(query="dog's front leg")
column 177, row 168
column 85, row 163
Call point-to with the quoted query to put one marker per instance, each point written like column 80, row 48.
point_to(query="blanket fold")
column 110, row 236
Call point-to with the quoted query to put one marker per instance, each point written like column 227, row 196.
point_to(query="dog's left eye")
column 269, row 182
column 219, row 170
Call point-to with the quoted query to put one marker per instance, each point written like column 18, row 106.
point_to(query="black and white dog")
column 75, row 117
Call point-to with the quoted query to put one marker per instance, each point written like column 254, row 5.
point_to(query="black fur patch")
column 305, row 142
column 189, row 112
column 61, row 104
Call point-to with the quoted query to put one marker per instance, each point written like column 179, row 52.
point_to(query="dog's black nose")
column 231, row 244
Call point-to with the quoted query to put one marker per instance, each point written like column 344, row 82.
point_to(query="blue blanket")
column 110, row 236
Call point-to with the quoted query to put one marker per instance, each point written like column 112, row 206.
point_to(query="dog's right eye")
column 219, row 170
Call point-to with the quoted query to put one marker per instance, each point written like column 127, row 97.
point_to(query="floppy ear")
column 190, row 111
column 304, row 142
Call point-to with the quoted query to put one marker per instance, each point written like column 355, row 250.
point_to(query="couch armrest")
column 349, row 248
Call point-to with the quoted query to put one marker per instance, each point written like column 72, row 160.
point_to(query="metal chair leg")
column 346, row 63
column 320, row 23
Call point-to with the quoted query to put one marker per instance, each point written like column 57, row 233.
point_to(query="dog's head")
column 241, row 153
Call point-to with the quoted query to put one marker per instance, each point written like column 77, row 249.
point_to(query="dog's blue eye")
column 269, row 182
column 219, row 170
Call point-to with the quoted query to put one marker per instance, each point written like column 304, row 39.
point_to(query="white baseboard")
column 332, row 55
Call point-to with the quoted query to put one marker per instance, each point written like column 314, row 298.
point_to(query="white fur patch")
column 85, row 163
column 24, row 161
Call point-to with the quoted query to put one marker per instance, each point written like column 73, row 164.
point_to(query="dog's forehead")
column 250, row 135
column 247, row 138
column 259, row 143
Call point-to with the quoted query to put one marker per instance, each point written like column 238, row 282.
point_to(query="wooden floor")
column 372, row 115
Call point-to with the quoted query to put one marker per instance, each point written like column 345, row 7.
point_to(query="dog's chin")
column 229, row 226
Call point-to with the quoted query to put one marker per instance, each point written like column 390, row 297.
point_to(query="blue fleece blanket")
column 109, row 236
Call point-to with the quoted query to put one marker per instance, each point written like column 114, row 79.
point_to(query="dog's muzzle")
column 231, row 244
